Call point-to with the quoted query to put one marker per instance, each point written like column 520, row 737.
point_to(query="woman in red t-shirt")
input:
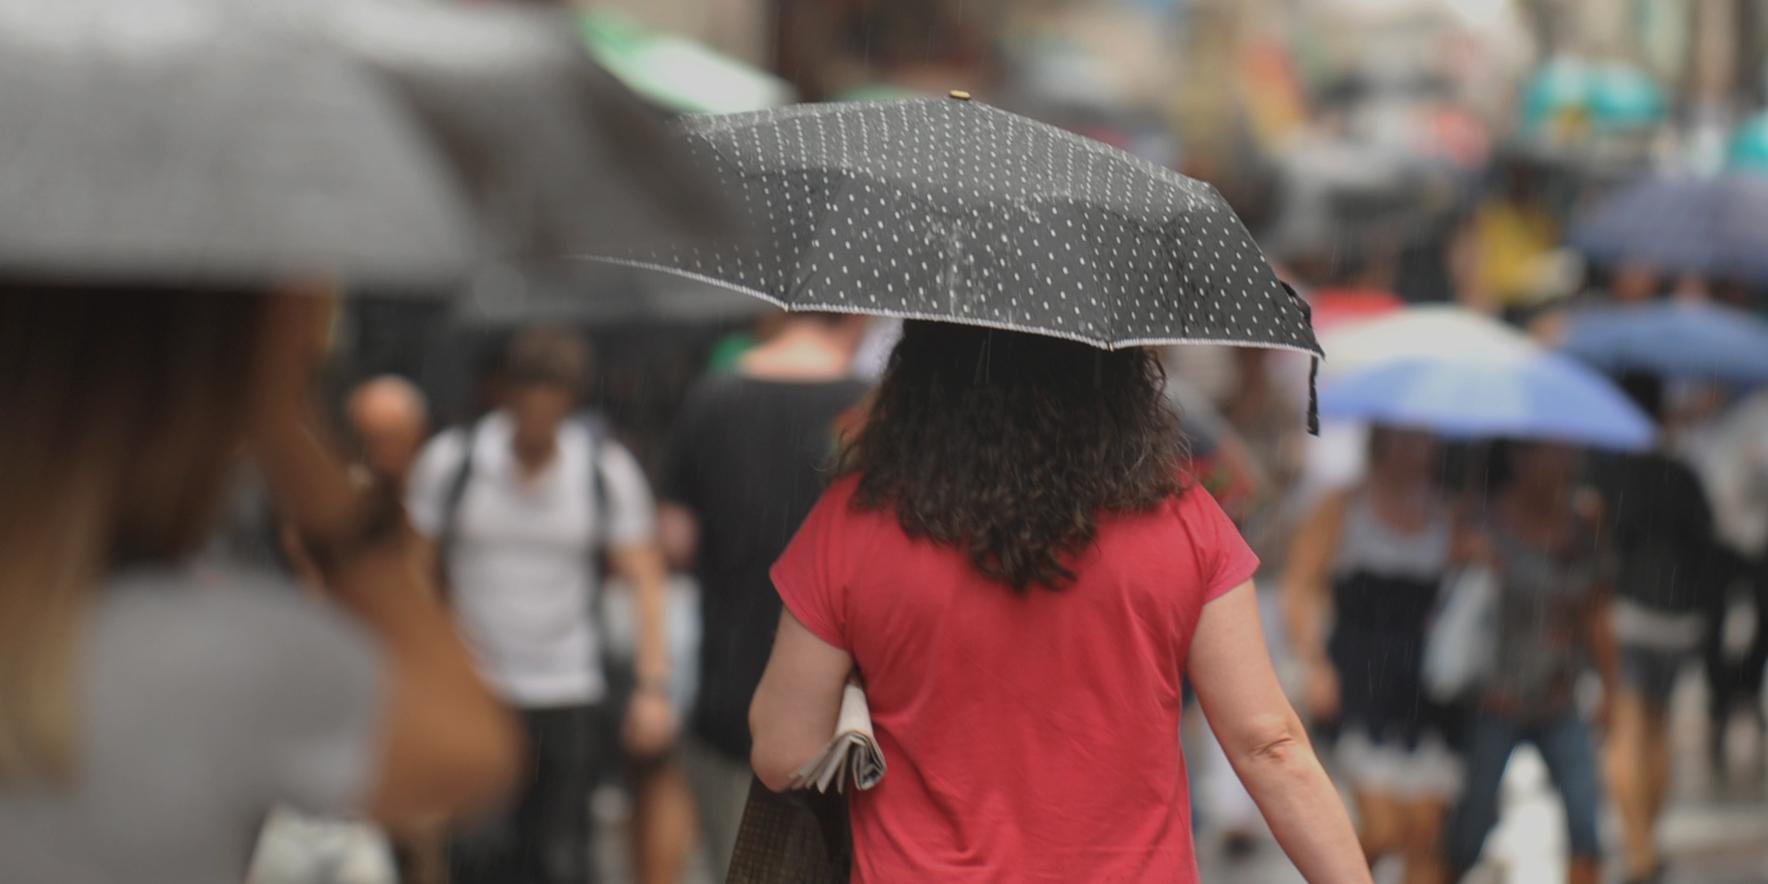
column 1017, row 567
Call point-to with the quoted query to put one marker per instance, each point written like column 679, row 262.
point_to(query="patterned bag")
column 799, row 837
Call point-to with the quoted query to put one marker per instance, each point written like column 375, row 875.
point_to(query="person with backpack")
column 522, row 507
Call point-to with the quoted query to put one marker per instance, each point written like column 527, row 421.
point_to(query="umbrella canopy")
column 1535, row 395
column 181, row 140
column 389, row 143
column 1675, row 339
column 953, row 210
column 557, row 155
column 678, row 73
column 1714, row 226
column 1415, row 333
column 579, row 294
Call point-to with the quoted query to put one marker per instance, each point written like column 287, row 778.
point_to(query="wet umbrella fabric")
column 1544, row 396
column 595, row 296
column 185, row 141
column 390, row 143
column 1680, row 340
column 953, row 210
column 1427, row 332
column 556, row 155
column 1453, row 372
column 1712, row 226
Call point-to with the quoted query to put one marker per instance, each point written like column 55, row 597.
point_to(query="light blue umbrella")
column 1684, row 340
column 1532, row 395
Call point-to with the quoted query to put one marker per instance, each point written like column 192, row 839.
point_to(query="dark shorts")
column 1651, row 672
column 544, row 837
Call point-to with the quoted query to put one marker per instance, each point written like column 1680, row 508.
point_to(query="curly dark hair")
column 1013, row 446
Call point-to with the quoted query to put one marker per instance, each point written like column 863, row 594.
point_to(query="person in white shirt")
column 523, row 506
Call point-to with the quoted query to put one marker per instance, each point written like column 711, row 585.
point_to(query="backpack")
column 456, row 490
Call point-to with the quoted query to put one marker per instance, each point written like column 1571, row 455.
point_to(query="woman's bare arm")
column 1307, row 599
column 651, row 724
column 1266, row 743
column 793, row 714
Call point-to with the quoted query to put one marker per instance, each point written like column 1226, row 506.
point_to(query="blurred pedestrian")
column 1671, row 571
column 521, row 506
column 744, row 468
column 1017, row 568
column 1513, row 232
column 390, row 420
column 1731, row 455
column 152, row 713
column 1359, row 590
column 1543, row 542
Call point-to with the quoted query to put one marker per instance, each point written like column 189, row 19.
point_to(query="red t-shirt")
column 1027, row 737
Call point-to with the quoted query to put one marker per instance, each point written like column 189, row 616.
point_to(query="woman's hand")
column 447, row 747
column 651, row 723
column 305, row 473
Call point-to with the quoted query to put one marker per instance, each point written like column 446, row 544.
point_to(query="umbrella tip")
column 958, row 94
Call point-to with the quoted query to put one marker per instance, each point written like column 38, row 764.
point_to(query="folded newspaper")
column 853, row 754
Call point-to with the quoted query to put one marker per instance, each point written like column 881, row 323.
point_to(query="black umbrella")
column 953, row 210
column 557, row 154
column 390, row 142
column 950, row 209
column 595, row 296
column 183, row 139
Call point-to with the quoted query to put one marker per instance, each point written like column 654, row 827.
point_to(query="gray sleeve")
column 317, row 716
column 238, row 681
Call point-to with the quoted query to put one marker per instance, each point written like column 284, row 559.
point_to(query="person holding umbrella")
column 1017, row 564
column 189, row 183
column 151, row 713
column 1014, row 559
column 1543, row 543
column 1671, row 572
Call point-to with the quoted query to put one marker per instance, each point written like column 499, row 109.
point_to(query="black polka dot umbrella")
column 948, row 209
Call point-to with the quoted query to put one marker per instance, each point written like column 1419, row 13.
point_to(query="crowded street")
column 691, row 441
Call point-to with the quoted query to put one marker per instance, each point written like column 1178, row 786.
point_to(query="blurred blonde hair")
column 123, row 408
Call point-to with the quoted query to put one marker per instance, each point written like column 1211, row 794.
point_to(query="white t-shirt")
column 522, row 569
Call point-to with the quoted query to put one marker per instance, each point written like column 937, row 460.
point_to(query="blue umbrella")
column 1531, row 395
column 1711, row 226
column 1674, row 339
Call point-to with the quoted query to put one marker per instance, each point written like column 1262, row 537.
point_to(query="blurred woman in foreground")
column 151, row 714
column 1361, row 585
column 1019, row 569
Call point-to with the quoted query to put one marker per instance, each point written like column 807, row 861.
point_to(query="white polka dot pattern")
column 951, row 209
